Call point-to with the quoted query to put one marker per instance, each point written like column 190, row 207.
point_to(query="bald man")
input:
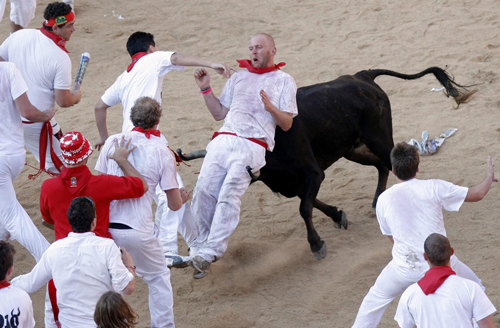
column 253, row 102
column 441, row 298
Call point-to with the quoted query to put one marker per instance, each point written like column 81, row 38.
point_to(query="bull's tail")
column 459, row 92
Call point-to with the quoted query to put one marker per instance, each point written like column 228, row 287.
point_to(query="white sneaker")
column 177, row 261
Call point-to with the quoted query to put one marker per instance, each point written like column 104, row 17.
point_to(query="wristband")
column 206, row 90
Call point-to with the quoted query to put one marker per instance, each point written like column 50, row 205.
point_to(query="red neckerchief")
column 60, row 42
column 434, row 278
column 245, row 63
column 4, row 283
column 148, row 133
column 135, row 58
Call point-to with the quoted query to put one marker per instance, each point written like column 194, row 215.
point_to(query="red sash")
column 135, row 58
column 148, row 133
column 257, row 141
column 53, row 301
column 434, row 278
column 245, row 63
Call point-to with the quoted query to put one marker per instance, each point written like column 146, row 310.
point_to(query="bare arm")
column 283, row 119
column 176, row 197
column 218, row 111
column 486, row 322
column 66, row 98
column 29, row 111
column 120, row 156
column 100, row 111
column 188, row 60
column 478, row 192
column 129, row 264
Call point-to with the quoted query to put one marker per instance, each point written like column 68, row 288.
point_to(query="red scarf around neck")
column 148, row 133
column 60, row 42
column 4, row 283
column 246, row 63
column 135, row 58
column 434, row 278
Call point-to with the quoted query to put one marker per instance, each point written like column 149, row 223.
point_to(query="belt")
column 257, row 141
column 120, row 226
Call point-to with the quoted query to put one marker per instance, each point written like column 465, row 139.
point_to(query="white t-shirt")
column 154, row 162
column 454, row 304
column 247, row 116
column 16, row 306
column 83, row 266
column 11, row 128
column 43, row 65
column 410, row 211
column 144, row 80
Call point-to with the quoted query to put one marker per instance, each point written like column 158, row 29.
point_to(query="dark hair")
column 405, row 160
column 145, row 113
column 7, row 252
column 55, row 9
column 140, row 42
column 112, row 311
column 438, row 249
column 81, row 213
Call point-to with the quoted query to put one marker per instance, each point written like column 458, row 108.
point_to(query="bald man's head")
column 262, row 50
column 438, row 249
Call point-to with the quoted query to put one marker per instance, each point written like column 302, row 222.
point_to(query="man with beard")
column 252, row 103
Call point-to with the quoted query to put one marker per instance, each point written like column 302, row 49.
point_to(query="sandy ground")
column 269, row 277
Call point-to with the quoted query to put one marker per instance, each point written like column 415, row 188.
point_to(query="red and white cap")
column 75, row 148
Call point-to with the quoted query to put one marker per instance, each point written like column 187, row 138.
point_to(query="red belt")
column 46, row 133
column 257, row 141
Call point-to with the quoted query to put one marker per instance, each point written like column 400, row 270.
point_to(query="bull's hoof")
column 321, row 253
column 343, row 221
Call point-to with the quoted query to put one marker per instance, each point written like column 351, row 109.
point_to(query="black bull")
column 348, row 117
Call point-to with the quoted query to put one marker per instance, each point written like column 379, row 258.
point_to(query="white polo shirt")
column 83, row 266
column 154, row 162
column 144, row 80
column 43, row 65
column 410, row 211
column 454, row 304
column 247, row 116
column 11, row 128
column 16, row 305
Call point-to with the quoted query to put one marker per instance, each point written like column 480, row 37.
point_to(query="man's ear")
column 452, row 251
column 425, row 257
column 273, row 51
column 9, row 273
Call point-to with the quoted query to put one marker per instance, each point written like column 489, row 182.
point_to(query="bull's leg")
column 337, row 216
column 360, row 153
column 312, row 181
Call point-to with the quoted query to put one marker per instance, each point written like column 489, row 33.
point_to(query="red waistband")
column 257, row 141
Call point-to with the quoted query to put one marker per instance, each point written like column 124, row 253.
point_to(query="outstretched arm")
column 29, row 111
column 478, row 192
column 120, row 156
column 486, row 322
column 188, row 60
column 100, row 119
column 202, row 78
column 283, row 119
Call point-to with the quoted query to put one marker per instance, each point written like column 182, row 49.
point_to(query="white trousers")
column 391, row 284
column 14, row 220
column 151, row 266
column 222, row 181
column 21, row 11
column 32, row 143
column 170, row 222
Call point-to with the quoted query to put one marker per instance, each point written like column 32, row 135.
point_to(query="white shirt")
column 11, row 128
column 154, row 162
column 247, row 116
column 16, row 307
column 43, row 65
column 410, row 211
column 454, row 304
column 83, row 266
column 144, row 80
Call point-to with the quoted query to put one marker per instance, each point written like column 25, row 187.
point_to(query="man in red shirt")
column 76, row 180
